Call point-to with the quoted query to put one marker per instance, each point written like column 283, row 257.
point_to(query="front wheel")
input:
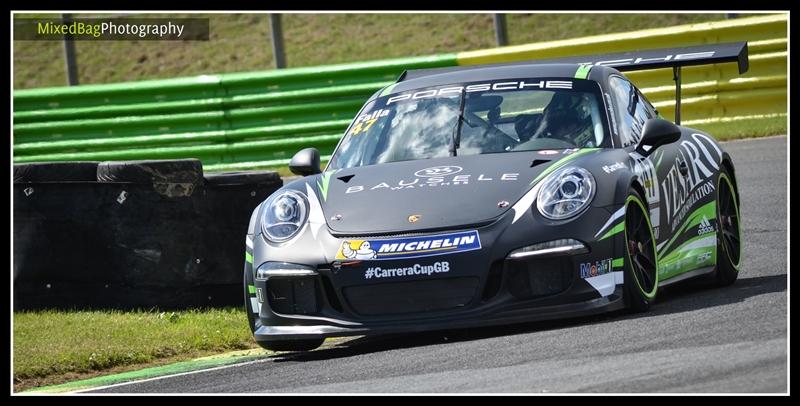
column 728, row 232
column 250, row 301
column 641, row 262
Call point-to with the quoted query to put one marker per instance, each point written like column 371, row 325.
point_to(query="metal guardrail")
column 259, row 119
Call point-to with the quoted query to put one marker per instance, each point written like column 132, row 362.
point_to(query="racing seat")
column 563, row 118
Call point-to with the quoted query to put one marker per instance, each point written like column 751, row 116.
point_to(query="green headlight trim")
column 251, row 289
column 561, row 162
column 583, row 71
column 323, row 182
column 615, row 230
column 248, row 258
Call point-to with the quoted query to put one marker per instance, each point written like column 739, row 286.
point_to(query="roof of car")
column 420, row 78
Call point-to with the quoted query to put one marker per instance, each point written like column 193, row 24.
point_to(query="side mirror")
column 657, row 132
column 305, row 162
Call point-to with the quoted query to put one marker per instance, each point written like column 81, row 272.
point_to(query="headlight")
column 284, row 215
column 565, row 193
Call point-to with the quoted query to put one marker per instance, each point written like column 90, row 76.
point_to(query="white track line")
column 172, row 376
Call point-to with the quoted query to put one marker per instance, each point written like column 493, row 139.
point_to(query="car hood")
column 430, row 194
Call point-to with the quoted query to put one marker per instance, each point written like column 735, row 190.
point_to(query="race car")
column 495, row 194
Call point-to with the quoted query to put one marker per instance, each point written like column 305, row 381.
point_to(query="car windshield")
column 475, row 118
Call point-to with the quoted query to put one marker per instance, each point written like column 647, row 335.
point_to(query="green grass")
column 240, row 42
column 726, row 131
column 56, row 346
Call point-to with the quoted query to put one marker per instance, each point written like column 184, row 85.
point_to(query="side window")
column 649, row 109
column 634, row 110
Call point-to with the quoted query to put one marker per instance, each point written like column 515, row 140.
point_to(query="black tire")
column 149, row 172
column 55, row 172
column 729, row 251
column 641, row 264
column 244, row 178
column 248, row 281
column 292, row 345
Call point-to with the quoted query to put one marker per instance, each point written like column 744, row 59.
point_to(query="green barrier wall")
column 259, row 119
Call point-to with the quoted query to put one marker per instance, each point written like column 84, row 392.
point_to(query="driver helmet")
column 565, row 117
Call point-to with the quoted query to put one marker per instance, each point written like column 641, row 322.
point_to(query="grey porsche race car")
column 495, row 194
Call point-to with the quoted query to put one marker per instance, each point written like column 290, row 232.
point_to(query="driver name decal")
column 409, row 247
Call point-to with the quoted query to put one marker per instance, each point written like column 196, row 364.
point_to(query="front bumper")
column 518, row 313
column 482, row 287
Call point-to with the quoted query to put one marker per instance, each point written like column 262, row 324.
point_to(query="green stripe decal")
column 323, row 182
column 248, row 257
column 561, row 162
column 616, row 230
column 709, row 210
column 678, row 251
column 617, row 263
column 583, row 71
column 251, row 289
column 687, row 260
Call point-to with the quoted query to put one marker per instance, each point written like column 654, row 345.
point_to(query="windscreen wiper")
column 455, row 138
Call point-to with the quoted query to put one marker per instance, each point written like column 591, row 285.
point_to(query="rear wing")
column 674, row 58
column 665, row 58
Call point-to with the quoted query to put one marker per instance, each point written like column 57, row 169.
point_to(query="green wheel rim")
column 729, row 227
column 640, row 248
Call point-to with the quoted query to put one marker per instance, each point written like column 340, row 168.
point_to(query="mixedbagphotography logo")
column 112, row 29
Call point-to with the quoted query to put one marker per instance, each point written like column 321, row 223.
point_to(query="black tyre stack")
column 136, row 234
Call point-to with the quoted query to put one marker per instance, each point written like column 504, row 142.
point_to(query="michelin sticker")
column 409, row 247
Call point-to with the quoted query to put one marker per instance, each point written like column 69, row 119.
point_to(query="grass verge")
column 747, row 128
column 52, row 347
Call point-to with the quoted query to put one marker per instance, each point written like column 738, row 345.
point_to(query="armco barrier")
column 259, row 119
column 170, row 238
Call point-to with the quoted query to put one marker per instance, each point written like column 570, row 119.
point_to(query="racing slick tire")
column 248, row 296
column 72, row 171
column 154, row 171
column 641, row 264
column 244, row 178
column 728, row 232
column 281, row 345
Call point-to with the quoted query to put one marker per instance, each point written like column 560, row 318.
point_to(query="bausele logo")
column 438, row 171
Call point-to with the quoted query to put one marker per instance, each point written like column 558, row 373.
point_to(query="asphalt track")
column 695, row 338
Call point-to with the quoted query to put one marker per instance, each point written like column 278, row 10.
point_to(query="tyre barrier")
column 138, row 234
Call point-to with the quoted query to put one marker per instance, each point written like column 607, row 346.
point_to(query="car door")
column 678, row 179
column 633, row 111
